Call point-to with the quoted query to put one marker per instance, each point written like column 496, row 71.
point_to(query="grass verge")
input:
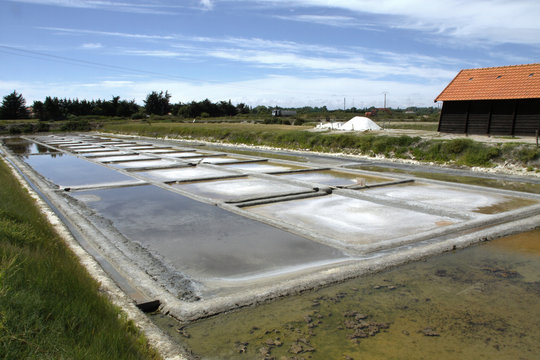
column 462, row 152
column 50, row 308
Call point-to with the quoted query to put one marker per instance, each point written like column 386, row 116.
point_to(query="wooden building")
column 498, row 101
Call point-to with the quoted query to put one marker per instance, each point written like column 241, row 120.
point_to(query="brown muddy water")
column 478, row 303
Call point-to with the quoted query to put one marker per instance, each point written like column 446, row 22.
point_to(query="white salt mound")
column 360, row 123
column 357, row 123
column 330, row 125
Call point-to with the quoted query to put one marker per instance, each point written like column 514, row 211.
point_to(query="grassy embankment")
column 398, row 120
column 50, row 308
column 462, row 152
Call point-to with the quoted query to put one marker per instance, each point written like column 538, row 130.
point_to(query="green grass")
column 50, row 308
column 413, row 126
column 461, row 152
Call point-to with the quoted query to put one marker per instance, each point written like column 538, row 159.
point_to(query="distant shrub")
column 14, row 130
column 138, row 116
column 76, row 125
column 42, row 127
column 527, row 154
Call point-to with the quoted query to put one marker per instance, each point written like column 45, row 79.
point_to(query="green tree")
column 127, row 108
column 52, row 109
column 242, row 108
column 13, row 107
column 38, row 110
column 157, row 103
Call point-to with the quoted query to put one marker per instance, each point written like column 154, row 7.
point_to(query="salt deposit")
column 219, row 239
column 357, row 123
column 184, row 174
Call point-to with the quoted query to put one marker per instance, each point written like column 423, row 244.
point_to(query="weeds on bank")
column 464, row 152
column 50, row 308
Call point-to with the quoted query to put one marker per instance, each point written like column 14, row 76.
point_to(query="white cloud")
column 270, row 91
column 153, row 53
column 108, row 33
column 207, row 4
column 330, row 20
column 156, row 8
column 354, row 64
column 493, row 21
column 92, row 46
column 273, row 54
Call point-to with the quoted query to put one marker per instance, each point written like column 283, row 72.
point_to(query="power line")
column 122, row 69
column 39, row 55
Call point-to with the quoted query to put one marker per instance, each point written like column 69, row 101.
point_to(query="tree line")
column 156, row 103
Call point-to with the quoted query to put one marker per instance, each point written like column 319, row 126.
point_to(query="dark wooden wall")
column 495, row 117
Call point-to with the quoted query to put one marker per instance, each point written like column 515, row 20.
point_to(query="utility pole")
column 384, row 119
column 343, row 104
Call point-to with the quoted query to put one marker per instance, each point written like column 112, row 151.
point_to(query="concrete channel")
column 200, row 232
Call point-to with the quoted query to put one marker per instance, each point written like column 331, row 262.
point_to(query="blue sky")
column 259, row 52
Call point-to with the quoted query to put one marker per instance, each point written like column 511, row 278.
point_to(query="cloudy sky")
column 260, row 52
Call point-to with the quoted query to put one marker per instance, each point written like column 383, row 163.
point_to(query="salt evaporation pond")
column 458, row 199
column 240, row 189
column 144, row 164
column 214, row 159
column 119, row 158
column 184, row 174
column 351, row 221
column 198, row 239
column 103, row 153
column 477, row 303
column 186, row 154
column 262, row 167
column 205, row 238
column 26, row 147
column 334, row 178
column 67, row 170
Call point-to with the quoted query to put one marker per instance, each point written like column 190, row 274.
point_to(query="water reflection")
column 481, row 302
column 202, row 240
column 69, row 170
column 21, row 146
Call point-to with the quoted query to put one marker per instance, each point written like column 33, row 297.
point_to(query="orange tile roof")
column 495, row 83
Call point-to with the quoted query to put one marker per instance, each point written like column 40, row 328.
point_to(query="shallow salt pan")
column 138, row 147
column 448, row 197
column 184, row 174
column 334, row 178
column 104, row 153
column 83, row 147
column 89, row 149
column 186, row 154
column 143, row 164
column 215, row 159
column 263, row 167
column 239, row 189
column 351, row 221
column 69, row 170
column 199, row 239
column 158, row 151
column 123, row 158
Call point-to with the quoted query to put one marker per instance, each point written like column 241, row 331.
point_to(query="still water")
column 478, row 303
